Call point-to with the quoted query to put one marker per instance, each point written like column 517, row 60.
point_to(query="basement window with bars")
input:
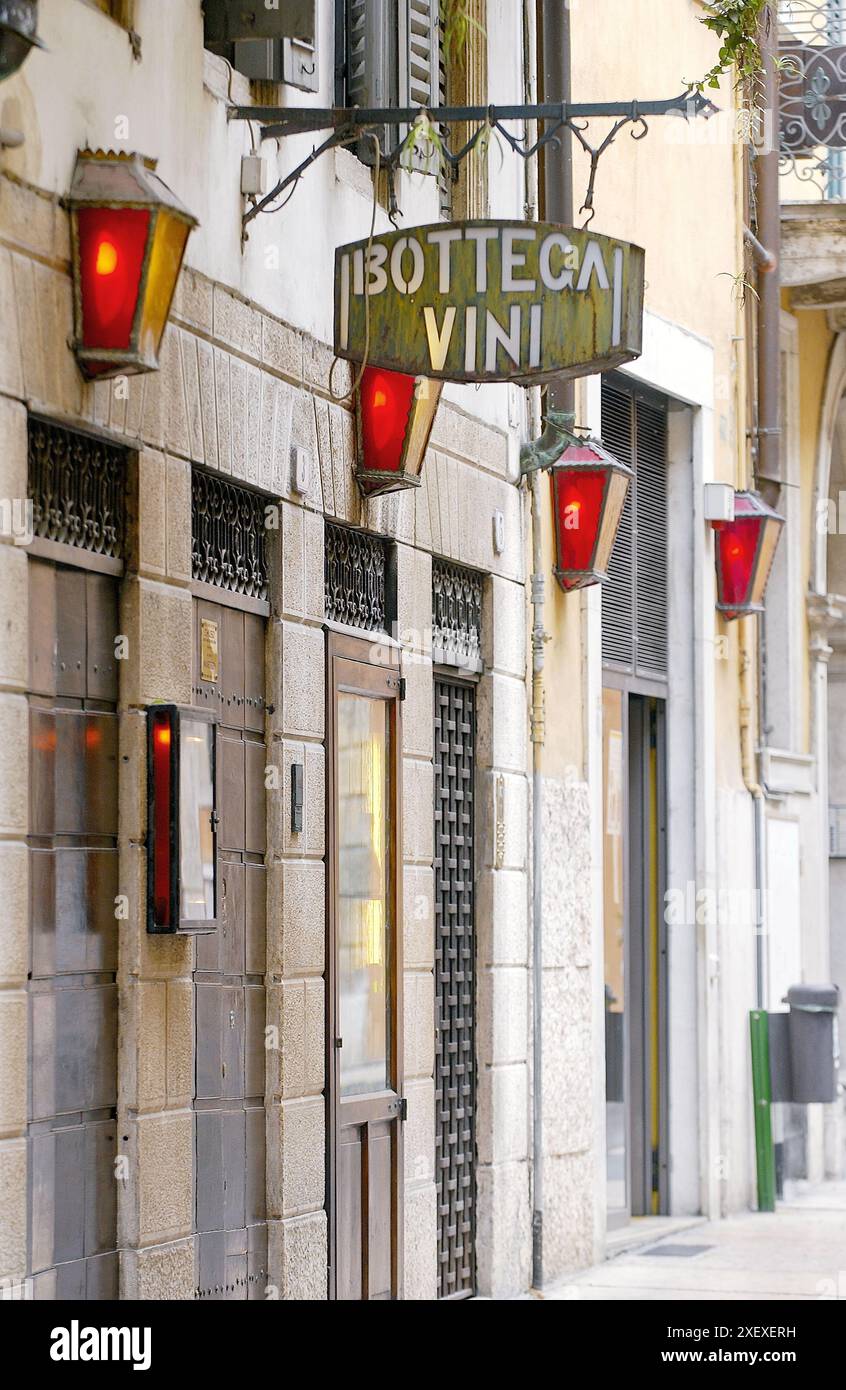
column 634, row 596
column 389, row 53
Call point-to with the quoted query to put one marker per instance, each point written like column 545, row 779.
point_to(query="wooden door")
column 365, row 975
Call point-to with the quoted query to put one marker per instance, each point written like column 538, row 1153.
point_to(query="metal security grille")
column 456, row 616
column 634, row 597
column 455, row 988
column 355, row 572
column 229, row 537
column 76, row 485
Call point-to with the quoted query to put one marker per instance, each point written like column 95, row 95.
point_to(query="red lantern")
column 589, row 489
column 395, row 417
column 745, row 551
column 128, row 237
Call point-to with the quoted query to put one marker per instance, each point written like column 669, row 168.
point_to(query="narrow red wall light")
column 589, row 487
column 181, row 820
column 163, row 776
column 394, row 414
column 128, row 238
column 744, row 554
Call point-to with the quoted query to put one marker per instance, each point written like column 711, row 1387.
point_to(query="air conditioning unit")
column 237, row 21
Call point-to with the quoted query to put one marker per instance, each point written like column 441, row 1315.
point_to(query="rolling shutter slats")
column 634, row 597
column 617, row 630
column 651, row 589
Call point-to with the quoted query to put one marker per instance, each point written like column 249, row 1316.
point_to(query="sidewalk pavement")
column 796, row 1252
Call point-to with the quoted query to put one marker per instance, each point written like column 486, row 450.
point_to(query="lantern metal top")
column 588, row 453
column 751, row 504
column 118, row 179
column 20, row 17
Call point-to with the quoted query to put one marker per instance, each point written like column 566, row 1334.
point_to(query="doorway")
column 635, row 833
column 73, row 995
column 229, row 995
column 364, row 1037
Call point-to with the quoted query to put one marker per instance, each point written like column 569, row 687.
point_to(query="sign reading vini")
column 489, row 301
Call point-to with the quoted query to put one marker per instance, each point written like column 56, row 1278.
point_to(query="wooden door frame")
column 348, row 648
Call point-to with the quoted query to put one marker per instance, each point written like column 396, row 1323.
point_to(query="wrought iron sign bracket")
column 349, row 124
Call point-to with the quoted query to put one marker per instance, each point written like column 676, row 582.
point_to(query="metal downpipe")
column 547, row 28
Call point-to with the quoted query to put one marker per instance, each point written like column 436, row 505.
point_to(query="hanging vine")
column 737, row 23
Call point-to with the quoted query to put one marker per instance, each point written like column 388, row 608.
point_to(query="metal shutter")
column 617, row 626
column 651, row 539
column 634, row 598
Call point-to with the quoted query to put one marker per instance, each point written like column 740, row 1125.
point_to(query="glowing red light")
column 737, row 548
column 161, row 817
column 107, row 258
column 578, row 498
column 112, row 249
column 386, row 401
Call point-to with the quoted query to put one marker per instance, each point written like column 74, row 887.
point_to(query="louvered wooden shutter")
column 371, row 63
column 634, row 597
column 423, row 56
column 392, row 58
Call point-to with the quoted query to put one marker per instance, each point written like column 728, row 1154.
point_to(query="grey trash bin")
column 813, row 1042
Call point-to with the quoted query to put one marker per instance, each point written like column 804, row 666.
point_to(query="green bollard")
column 762, row 1098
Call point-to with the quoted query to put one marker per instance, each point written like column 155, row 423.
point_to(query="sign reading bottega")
column 490, row 301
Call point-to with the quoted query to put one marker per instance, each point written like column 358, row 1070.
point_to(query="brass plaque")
column 209, row 665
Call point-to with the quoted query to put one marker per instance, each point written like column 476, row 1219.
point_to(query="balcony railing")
column 812, row 49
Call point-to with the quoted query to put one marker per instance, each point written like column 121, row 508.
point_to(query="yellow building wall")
column 677, row 194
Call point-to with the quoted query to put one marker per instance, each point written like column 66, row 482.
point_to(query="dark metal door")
column 365, row 978
column 229, row 1013
column 455, row 988
column 73, row 759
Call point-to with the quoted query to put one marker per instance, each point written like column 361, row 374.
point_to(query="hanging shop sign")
column 489, row 301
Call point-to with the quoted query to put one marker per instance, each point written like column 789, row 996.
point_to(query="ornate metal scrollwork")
column 229, row 537
column 812, row 54
column 77, row 486
column 355, row 573
column 456, row 616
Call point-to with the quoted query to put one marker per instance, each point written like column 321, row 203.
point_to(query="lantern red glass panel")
column 744, row 552
column 395, row 415
column 589, row 487
column 128, row 238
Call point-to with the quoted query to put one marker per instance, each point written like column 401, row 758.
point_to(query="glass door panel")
column 364, row 937
column 614, row 799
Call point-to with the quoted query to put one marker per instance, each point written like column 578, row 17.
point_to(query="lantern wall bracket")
column 347, row 125
column 547, row 449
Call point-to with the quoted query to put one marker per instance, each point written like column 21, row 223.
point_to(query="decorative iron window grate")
column 229, row 538
column 455, row 987
column 456, row 616
column 355, row 574
column 77, row 487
